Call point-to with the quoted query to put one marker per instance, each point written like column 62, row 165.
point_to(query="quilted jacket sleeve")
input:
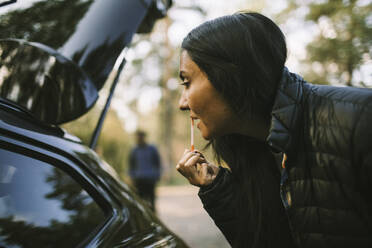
column 363, row 150
column 219, row 200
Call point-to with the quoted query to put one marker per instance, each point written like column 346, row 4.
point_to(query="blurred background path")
column 180, row 209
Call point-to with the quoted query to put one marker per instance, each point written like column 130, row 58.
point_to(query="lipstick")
column 192, row 135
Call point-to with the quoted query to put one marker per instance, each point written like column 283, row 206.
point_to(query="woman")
column 300, row 155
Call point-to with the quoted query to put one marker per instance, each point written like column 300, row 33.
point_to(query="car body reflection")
column 53, row 88
column 90, row 33
column 41, row 205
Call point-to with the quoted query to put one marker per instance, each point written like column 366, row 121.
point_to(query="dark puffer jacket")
column 326, row 133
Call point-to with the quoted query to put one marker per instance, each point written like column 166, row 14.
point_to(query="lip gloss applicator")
column 192, row 135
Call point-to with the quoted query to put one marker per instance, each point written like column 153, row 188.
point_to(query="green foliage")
column 343, row 43
column 113, row 144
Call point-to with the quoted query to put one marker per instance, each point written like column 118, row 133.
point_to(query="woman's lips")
column 198, row 124
column 196, row 120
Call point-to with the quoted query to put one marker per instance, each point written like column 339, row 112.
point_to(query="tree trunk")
column 167, row 113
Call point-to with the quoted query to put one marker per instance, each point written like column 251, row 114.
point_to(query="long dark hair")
column 243, row 56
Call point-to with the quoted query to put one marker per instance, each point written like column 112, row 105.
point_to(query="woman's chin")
column 211, row 135
column 206, row 135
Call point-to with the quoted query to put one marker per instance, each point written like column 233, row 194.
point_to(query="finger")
column 185, row 175
column 188, row 169
column 210, row 169
column 182, row 172
column 201, row 154
column 192, row 161
column 204, row 170
column 185, row 171
column 187, row 155
column 202, row 160
column 198, row 167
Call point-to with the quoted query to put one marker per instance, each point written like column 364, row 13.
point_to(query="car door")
column 45, row 201
column 49, row 197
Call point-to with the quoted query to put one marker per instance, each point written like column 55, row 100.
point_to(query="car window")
column 42, row 206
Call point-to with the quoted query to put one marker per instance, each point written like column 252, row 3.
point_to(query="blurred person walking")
column 145, row 168
column 300, row 155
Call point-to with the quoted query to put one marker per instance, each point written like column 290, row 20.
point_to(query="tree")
column 156, row 66
column 342, row 45
column 113, row 144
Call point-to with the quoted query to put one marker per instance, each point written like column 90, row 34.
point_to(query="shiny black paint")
column 131, row 223
column 90, row 33
column 65, row 50
column 50, row 86
column 58, row 207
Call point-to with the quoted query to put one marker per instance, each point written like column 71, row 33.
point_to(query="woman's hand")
column 196, row 168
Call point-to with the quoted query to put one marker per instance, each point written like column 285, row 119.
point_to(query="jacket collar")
column 286, row 112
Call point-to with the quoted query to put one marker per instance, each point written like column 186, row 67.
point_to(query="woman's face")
column 203, row 101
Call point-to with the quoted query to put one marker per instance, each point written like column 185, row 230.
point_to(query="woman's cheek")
column 204, row 130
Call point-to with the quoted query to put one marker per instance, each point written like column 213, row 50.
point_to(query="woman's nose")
column 182, row 104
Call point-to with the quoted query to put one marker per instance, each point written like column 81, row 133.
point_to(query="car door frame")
column 89, row 182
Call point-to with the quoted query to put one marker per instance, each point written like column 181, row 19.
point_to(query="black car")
column 55, row 55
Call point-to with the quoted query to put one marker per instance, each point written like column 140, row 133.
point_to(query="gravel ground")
column 181, row 210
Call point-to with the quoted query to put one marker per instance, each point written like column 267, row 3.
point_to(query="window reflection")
column 6, row 173
column 51, row 87
column 42, row 206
